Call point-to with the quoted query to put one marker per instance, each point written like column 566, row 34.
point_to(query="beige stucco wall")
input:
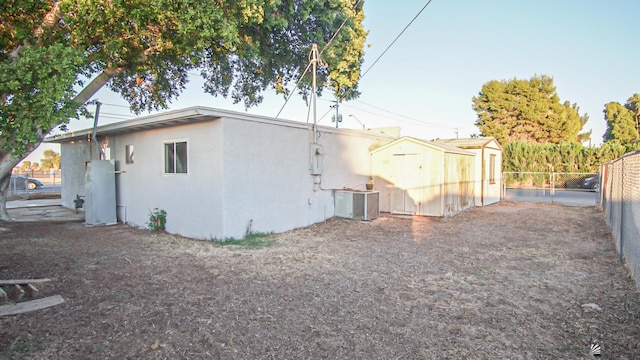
column 492, row 191
column 268, row 184
column 415, row 178
column 459, row 183
column 243, row 173
column 486, row 192
column 193, row 201
column 411, row 169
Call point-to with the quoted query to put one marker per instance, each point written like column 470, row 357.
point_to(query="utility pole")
column 314, row 58
column 337, row 118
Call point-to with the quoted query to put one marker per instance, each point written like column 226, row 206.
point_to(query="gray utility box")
column 100, row 193
column 359, row 205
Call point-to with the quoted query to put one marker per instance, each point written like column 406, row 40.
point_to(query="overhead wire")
column 406, row 120
column 116, row 105
column 381, row 55
column 294, row 88
column 394, row 40
column 360, row 78
column 335, row 33
column 416, row 121
column 338, row 30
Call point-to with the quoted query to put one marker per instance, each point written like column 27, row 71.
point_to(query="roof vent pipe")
column 95, row 125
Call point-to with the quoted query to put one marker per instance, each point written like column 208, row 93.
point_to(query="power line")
column 116, row 105
column 294, row 89
column 420, row 122
column 415, row 121
column 124, row 116
column 310, row 62
column 112, row 118
column 319, row 55
column 338, row 30
column 390, row 45
column 396, row 39
column 406, row 120
column 325, row 114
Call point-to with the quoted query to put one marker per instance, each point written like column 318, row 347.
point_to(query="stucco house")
column 488, row 164
column 418, row 177
column 216, row 173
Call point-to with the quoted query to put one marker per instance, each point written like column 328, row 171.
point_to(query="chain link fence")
column 620, row 202
column 26, row 184
column 575, row 189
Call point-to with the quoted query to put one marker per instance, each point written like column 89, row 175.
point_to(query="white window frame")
column 164, row 157
column 129, row 153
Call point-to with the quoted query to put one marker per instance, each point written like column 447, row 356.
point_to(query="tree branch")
column 50, row 19
column 96, row 84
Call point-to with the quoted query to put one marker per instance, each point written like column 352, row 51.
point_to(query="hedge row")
column 564, row 157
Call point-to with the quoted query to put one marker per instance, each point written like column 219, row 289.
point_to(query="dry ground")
column 504, row 281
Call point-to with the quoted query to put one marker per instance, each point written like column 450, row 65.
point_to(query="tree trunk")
column 7, row 158
column 7, row 162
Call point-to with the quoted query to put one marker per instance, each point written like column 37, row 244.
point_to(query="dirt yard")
column 505, row 281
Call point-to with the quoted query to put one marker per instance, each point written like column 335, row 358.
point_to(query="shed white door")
column 405, row 183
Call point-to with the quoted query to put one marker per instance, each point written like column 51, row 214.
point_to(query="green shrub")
column 157, row 220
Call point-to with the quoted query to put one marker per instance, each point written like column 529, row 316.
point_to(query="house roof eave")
column 160, row 120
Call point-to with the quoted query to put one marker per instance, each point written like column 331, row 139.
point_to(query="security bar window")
column 175, row 157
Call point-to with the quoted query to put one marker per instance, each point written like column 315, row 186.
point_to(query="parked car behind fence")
column 581, row 181
column 19, row 182
column 592, row 183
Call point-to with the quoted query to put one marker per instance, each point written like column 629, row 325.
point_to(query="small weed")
column 157, row 220
column 251, row 240
column 23, row 345
column 97, row 349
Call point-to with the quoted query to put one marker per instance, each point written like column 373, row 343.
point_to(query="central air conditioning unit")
column 358, row 205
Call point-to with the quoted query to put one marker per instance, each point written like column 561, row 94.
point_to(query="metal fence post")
column 622, row 200
column 552, row 190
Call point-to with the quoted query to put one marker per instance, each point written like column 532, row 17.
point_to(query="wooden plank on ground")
column 17, row 292
column 3, row 297
column 23, row 281
column 31, row 290
column 31, row 305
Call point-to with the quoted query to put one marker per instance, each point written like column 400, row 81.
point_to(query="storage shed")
column 420, row 177
column 488, row 163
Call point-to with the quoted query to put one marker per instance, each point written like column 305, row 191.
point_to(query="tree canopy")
column 622, row 120
column 55, row 55
column 527, row 110
column 51, row 160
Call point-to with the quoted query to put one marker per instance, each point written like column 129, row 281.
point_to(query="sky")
column 425, row 82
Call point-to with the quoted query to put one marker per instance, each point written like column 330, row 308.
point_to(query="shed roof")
column 471, row 143
column 440, row 146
